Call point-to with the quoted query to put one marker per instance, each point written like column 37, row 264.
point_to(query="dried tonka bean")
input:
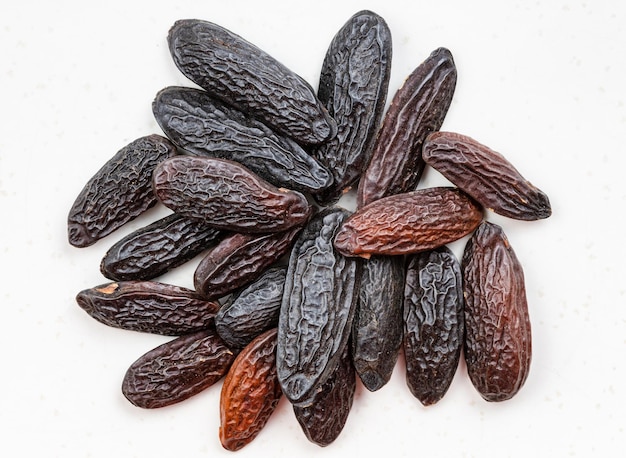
column 353, row 87
column 377, row 326
column 498, row 343
column 157, row 248
column 417, row 109
column 177, row 370
column 318, row 306
column 238, row 260
column 204, row 126
column 252, row 310
column 227, row 195
column 408, row 223
column 119, row 192
column 325, row 417
column 250, row 393
column 485, row 175
column 148, row 306
column 244, row 76
column 433, row 323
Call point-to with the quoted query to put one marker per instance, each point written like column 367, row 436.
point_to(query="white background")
column 541, row 82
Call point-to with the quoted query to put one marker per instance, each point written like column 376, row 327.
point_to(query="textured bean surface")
column 433, row 323
column 417, row 109
column 227, row 195
column 148, row 306
column 246, row 77
column 486, row 175
column 408, row 223
column 239, row 259
column 177, row 370
column 119, row 192
column 377, row 328
column 325, row 417
column 250, row 392
column 498, row 336
column 157, row 248
column 204, row 126
column 318, row 306
column 252, row 310
column 353, row 87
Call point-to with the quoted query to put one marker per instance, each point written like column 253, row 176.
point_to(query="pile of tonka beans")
column 295, row 295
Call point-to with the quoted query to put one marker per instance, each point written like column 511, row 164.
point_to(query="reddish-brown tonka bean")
column 486, row 175
column 409, row 223
column 417, row 109
column 239, row 259
column 119, row 192
column 228, row 196
column 148, row 306
column 177, row 370
column 497, row 326
column 250, row 392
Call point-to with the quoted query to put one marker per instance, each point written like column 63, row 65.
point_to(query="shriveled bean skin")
column 417, row 109
column 409, row 223
column 253, row 309
column 238, row 260
column 325, row 417
column 433, row 323
column 498, row 337
column 250, row 393
column 157, row 248
column 317, row 310
column 177, row 370
column 353, row 87
column 119, row 192
column 377, row 326
column 228, row 196
column 204, row 126
column 148, row 306
column 244, row 76
column 486, row 175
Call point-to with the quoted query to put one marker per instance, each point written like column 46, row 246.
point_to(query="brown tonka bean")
column 486, row 175
column 497, row 326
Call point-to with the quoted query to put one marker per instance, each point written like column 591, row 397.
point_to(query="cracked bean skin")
column 148, row 306
column 433, row 323
column 353, row 87
column 486, row 175
column 227, row 196
column 317, row 309
column 246, row 77
column 417, row 109
column 238, row 260
column 325, row 417
column 204, row 126
column 157, row 248
column 177, row 370
column 250, row 393
column 119, row 192
column 409, row 223
column 377, row 326
column 252, row 310
column 498, row 347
